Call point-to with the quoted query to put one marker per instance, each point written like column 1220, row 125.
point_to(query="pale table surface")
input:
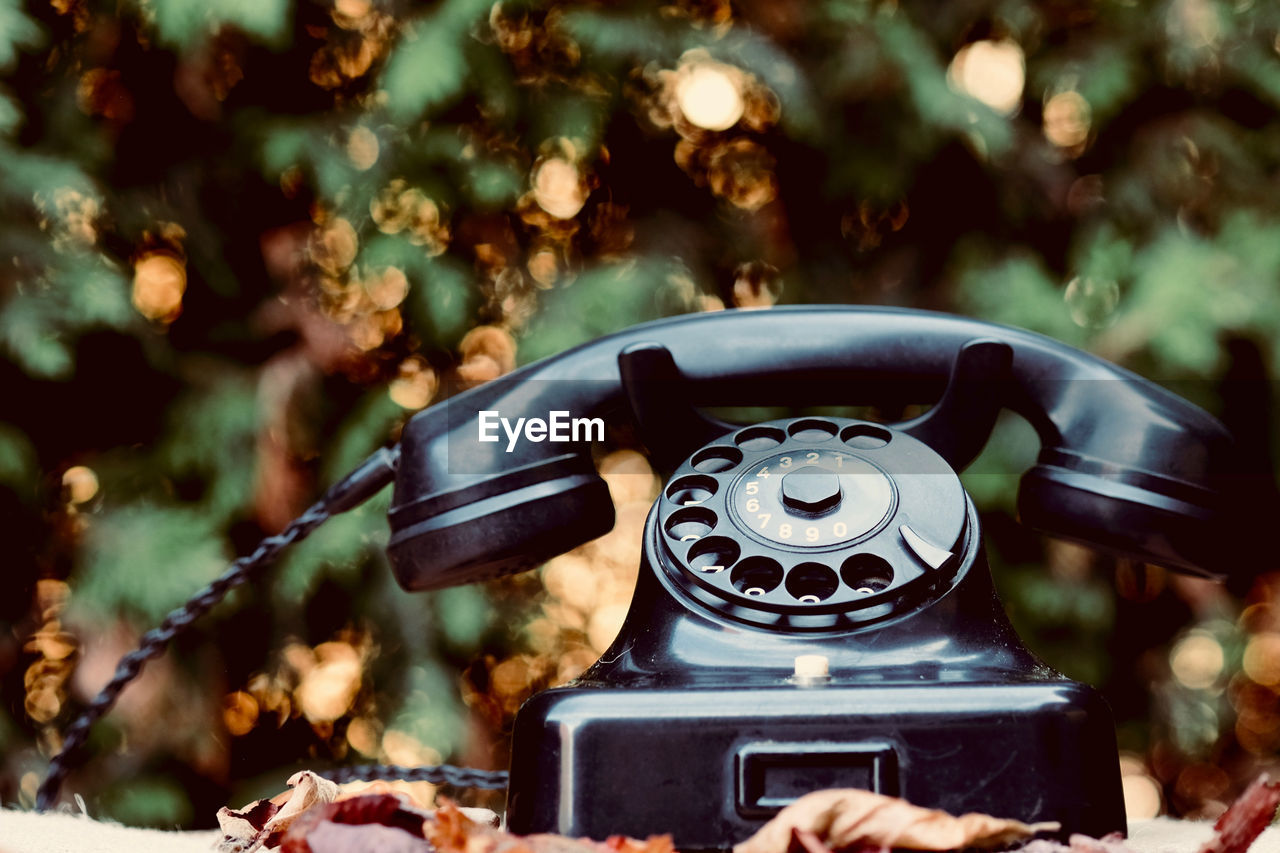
column 26, row 832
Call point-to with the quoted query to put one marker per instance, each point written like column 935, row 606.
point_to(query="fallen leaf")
column 308, row 790
column 1112, row 843
column 484, row 817
column 804, row 841
column 369, row 815
column 407, row 793
column 1241, row 824
column 451, row 831
column 240, row 827
column 327, row 837
column 261, row 823
column 845, row 818
column 652, row 844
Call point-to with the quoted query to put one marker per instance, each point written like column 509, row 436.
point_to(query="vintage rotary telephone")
column 814, row 607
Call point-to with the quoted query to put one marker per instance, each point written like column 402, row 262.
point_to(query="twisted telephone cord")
column 354, row 489
column 437, row 774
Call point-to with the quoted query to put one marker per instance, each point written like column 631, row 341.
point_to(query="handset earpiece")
column 1130, row 468
column 467, row 509
column 1143, row 517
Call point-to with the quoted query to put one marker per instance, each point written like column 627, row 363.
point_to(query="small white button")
column 812, row 666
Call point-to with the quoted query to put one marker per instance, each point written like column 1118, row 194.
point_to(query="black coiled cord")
column 437, row 774
column 354, row 489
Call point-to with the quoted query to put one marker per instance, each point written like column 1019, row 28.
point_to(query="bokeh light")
column 159, row 282
column 487, row 352
column 399, row 208
column 416, row 384
column 709, row 95
column 1142, row 796
column 45, row 679
column 544, row 266
column 1197, row 660
column 756, row 284
column 363, row 148
column 239, row 713
column 364, row 735
column 740, row 171
column 558, row 187
column 993, row 72
column 71, row 215
column 1067, row 119
column 330, row 683
column 387, row 288
column 80, row 484
column 1262, row 659
column 1194, row 23
column 1092, row 301
column 334, row 246
column 704, row 101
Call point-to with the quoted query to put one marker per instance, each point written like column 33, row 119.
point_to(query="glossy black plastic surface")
column 1124, row 464
column 778, row 545
column 812, row 524
column 693, row 722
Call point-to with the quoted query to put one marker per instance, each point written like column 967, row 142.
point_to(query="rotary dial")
column 812, row 498
column 813, row 523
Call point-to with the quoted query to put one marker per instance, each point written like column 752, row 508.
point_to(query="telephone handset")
column 1124, row 464
column 813, row 608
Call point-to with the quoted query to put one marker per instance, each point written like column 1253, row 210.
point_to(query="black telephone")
column 814, row 608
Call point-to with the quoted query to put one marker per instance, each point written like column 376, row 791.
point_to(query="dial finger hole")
column 691, row 490
column 866, row 574
column 756, row 576
column 812, row 429
column 690, row 524
column 713, row 554
column 760, row 438
column 865, row 436
column 812, row 582
column 717, row 458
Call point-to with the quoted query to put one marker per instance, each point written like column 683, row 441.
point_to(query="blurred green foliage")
column 242, row 240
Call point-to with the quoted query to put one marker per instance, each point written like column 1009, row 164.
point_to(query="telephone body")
column 814, row 607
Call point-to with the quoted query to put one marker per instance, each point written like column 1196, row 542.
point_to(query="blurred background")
column 242, row 241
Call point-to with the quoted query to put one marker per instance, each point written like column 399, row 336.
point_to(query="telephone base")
column 710, row 765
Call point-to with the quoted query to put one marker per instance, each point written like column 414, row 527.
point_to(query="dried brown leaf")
column 261, row 823
column 328, row 837
column 1113, row 843
column 845, row 818
column 452, row 831
column 351, row 790
column 545, row 842
column 370, row 814
column 484, row 817
column 804, row 841
column 308, row 790
column 652, row 844
column 1248, row 816
column 1044, row 845
column 240, row 827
